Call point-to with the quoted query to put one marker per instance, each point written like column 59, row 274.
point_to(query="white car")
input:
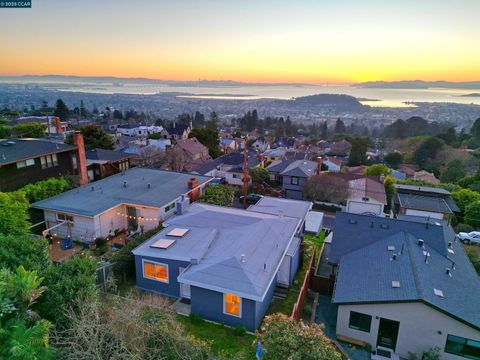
column 472, row 237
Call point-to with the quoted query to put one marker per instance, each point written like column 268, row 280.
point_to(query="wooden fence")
column 298, row 306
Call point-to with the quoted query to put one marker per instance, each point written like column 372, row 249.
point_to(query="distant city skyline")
column 304, row 41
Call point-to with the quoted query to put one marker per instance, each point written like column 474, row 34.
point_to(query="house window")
column 169, row 207
column 232, row 305
column 64, row 217
column 359, row 321
column 466, row 348
column 49, row 161
column 235, row 176
column 294, row 180
column 25, row 163
column 155, row 271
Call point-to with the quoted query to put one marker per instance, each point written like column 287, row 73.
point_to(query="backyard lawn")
column 285, row 306
column 225, row 342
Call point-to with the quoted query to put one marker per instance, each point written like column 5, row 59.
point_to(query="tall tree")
column 427, row 151
column 209, row 138
column 358, row 152
column 94, row 137
column 61, row 110
column 324, row 130
column 340, row 127
column 213, row 123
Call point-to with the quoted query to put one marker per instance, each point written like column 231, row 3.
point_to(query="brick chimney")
column 192, row 183
column 58, row 125
column 81, row 159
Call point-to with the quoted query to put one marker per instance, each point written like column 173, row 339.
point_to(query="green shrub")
column 195, row 318
column 462, row 227
column 239, row 330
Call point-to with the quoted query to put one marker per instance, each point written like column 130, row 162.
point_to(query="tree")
column 151, row 156
column 472, row 214
column 208, row 137
column 117, row 114
column 285, row 338
column 358, row 152
column 24, row 250
column 93, row 137
column 13, row 210
column 454, row 172
column 212, row 124
column 29, row 130
column 393, row 159
column 22, row 335
column 326, row 187
column 259, row 175
column 65, row 284
column 427, row 151
column 464, row 197
column 45, row 189
column 377, row 170
column 221, row 195
column 324, row 130
column 475, row 130
column 198, row 120
column 61, row 110
column 340, row 127
column 390, row 190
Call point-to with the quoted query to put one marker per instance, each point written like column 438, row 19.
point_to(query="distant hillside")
column 118, row 81
column 337, row 100
column 419, row 84
column 471, row 95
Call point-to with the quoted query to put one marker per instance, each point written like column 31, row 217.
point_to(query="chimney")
column 319, row 165
column 192, row 184
column 82, row 161
column 58, row 126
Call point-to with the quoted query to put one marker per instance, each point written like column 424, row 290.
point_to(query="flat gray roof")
column 233, row 250
column 94, row 198
column 276, row 206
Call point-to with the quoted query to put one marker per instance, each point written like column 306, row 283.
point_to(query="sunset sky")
column 317, row 41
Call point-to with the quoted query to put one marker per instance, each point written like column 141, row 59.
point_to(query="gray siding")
column 294, row 264
column 209, row 305
column 293, row 191
column 262, row 307
column 172, row 288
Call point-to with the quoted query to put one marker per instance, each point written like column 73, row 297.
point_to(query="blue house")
column 292, row 175
column 225, row 261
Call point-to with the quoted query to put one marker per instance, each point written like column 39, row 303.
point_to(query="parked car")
column 252, row 198
column 472, row 237
column 217, row 181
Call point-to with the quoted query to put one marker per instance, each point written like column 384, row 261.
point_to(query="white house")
column 366, row 196
column 132, row 130
column 138, row 198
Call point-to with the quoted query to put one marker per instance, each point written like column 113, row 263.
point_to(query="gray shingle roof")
column 355, row 231
column 271, row 205
column 366, row 276
column 424, row 203
column 424, row 189
column 301, row 168
column 165, row 186
column 260, row 238
column 13, row 150
column 105, row 155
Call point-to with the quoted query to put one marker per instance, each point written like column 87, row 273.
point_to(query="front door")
column 184, row 288
column 132, row 217
column 388, row 333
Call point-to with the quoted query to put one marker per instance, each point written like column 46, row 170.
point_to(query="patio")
column 326, row 314
column 57, row 254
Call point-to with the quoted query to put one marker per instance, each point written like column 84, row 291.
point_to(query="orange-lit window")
column 232, row 305
column 155, row 271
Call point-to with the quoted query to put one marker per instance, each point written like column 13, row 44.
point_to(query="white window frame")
column 297, row 180
column 225, row 303
column 65, row 215
column 156, row 263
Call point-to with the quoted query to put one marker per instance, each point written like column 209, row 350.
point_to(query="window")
column 169, row 207
column 25, row 163
column 294, row 180
column 64, row 217
column 466, row 348
column 359, row 321
column 235, row 176
column 49, row 161
column 155, row 271
column 232, row 305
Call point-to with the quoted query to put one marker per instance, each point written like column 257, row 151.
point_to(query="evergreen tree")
column 340, row 127
column 61, row 110
column 324, row 130
column 213, row 122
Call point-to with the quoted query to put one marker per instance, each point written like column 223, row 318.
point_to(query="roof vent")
column 264, row 266
column 124, row 184
column 450, row 251
column 149, row 186
column 384, row 226
column 371, row 224
column 242, row 258
column 352, row 221
column 438, row 292
column 420, row 242
column 448, row 272
column 449, row 244
column 391, row 248
column 93, row 188
column 394, row 257
column 395, row 284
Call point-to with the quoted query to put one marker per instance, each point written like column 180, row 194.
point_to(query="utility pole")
column 245, row 173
